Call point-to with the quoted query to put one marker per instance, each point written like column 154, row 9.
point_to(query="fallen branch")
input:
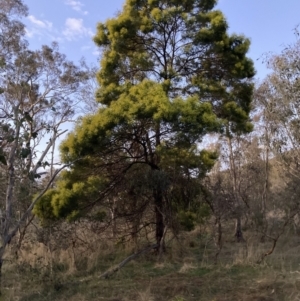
column 275, row 239
column 108, row 273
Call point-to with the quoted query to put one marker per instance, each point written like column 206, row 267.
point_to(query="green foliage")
column 44, row 207
column 187, row 220
column 65, row 201
column 207, row 62
column 170, row 74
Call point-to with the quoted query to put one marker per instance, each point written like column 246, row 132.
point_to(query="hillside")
column 187, row 272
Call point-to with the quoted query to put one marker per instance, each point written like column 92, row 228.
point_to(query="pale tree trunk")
column 265, row 193
column 113, row 218
column 219, row 238
column 52, row 159
column 11, row 180
column 8, row 230
column 14, row 229
column 238, row 214
column 7, row 218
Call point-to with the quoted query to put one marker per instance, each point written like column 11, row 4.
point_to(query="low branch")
column 275, row 239
column 45, row 152
column 111, row 271
column 29, row 209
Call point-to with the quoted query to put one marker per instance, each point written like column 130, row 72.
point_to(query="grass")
column 184, row 274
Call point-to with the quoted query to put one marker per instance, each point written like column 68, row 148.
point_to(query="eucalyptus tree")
column 12, row 29
column 277, row 99
column 169, row 75
column 38, row 97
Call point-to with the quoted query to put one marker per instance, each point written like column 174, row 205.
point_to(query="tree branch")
column 111, row 271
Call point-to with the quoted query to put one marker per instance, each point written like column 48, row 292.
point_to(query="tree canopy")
column 170, row 74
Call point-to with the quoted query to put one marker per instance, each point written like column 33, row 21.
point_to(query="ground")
column 187, row 272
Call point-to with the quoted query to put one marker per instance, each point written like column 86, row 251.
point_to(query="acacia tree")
column 169, row 75
column 38, row 96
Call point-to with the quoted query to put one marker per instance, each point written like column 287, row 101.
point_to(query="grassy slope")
column 184, row 274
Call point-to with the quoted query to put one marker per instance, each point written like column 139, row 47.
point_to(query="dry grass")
column 146, row 295
column 188, row 272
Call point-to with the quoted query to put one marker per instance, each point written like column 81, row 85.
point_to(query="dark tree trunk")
column 159, row 218
column 158, row 200
column 1, row 263
column 238, row 230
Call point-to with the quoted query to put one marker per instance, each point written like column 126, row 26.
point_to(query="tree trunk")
column 265, row 194
column 113, row 218
column 2, row 249
column 158, row 200
column 1, row 262
column 218, row 241
column 238, row 230
column 159, row 219
column 238, row 226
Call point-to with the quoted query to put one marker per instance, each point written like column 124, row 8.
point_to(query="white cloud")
column 85, row 47
column 96, row 52
column 43, row 34
column 38, row 27
column 29, row 33
column 76, row 5
column 40, row 23
column 75, row 29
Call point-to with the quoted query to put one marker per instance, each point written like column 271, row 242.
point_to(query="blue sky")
column 268, row 23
